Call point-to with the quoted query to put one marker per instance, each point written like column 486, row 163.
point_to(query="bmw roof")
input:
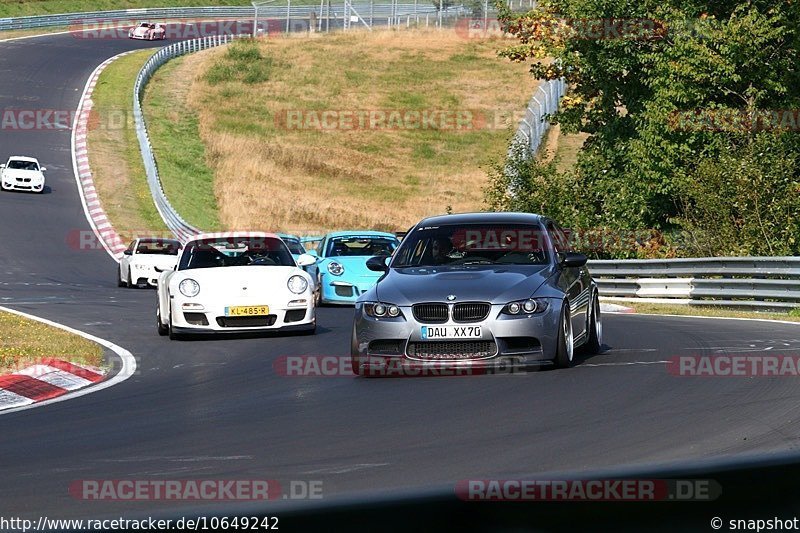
column 482, row 218
column 356, row 233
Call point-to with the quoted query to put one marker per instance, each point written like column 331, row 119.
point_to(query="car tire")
column 173, row 335
column 130, row 281
column 120, row 282
column 318, row 293
column 594, row 327
column 565, row 351
column 162, row 329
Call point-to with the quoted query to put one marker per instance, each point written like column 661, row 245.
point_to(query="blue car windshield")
column 361, row 246
column 473, row 244
column 294, row 246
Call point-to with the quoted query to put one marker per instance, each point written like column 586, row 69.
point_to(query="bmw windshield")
column 473, row 244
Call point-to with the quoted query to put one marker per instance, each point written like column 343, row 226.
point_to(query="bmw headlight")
column 382, row 310
column 335, row 268
column 531, row 306
column 297, row 284
column 189, row 287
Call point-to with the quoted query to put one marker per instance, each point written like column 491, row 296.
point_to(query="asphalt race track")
column 216, row 409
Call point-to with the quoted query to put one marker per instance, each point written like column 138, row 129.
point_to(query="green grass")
column 696, row 310
column 182, row 160
column 19, row 8
column 228, row 159
column 24, row 342
column 114, row 150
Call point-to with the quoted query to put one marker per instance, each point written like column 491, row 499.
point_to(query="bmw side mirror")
column 43, row 169
column 572, row 259
column 378, row 263
column 128, row 252
column 305, row 260
column 3, row 165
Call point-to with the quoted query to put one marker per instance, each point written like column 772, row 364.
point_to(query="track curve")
column 216, row 409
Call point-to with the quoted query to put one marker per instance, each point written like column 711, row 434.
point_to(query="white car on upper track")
column 22, row 173
column 234, row 283
column 145, row 259
column 148, row 31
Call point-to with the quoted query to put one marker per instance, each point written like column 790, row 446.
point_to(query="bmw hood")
column 497, row 284
column 13, row 173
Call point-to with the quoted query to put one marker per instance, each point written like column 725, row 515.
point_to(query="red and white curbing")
column 94, row 212
column 606, row 307
column 46, row 380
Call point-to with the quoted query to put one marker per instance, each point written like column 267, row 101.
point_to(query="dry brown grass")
column 310, row 181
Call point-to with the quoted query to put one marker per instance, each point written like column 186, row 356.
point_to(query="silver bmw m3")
column 477, row 291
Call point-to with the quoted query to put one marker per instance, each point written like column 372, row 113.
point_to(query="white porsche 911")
column 22, row 173
column 233, row 283
column 148, row 31
column 145, row 259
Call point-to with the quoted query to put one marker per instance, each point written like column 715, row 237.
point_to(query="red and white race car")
column 148, row 31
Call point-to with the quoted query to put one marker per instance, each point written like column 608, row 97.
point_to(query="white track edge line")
column 769, row 320
column 127, row 370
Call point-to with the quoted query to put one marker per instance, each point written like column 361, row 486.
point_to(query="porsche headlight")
column 335, row 268
column 530, row 306
column 189, row 287
column 297, row 284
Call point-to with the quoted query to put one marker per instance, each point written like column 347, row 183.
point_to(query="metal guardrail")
column 90, row 18
column 755, row 282
column 182, row 229
column 543, row 102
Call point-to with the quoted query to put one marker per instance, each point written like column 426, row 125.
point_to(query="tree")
column 649, row 81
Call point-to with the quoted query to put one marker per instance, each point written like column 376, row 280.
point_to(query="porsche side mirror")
column 305, row 260
column 378, row 263
column 572, row 259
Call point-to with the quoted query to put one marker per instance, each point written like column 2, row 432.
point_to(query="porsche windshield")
column 473, row 244
column 236, row 251
column 361, row 246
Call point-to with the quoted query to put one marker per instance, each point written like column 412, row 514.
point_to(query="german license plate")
column 247, row 310
column 451, row 332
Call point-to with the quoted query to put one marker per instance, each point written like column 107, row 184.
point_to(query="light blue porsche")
column 295, row 245
column 341, row 269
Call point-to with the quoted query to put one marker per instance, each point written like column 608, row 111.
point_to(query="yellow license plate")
column 247, row 310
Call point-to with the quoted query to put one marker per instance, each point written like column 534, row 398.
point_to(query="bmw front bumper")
column 506, row 341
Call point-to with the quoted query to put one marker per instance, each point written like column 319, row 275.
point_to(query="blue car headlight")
column 531, row 306
column 335, row 268
column 382, row 310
